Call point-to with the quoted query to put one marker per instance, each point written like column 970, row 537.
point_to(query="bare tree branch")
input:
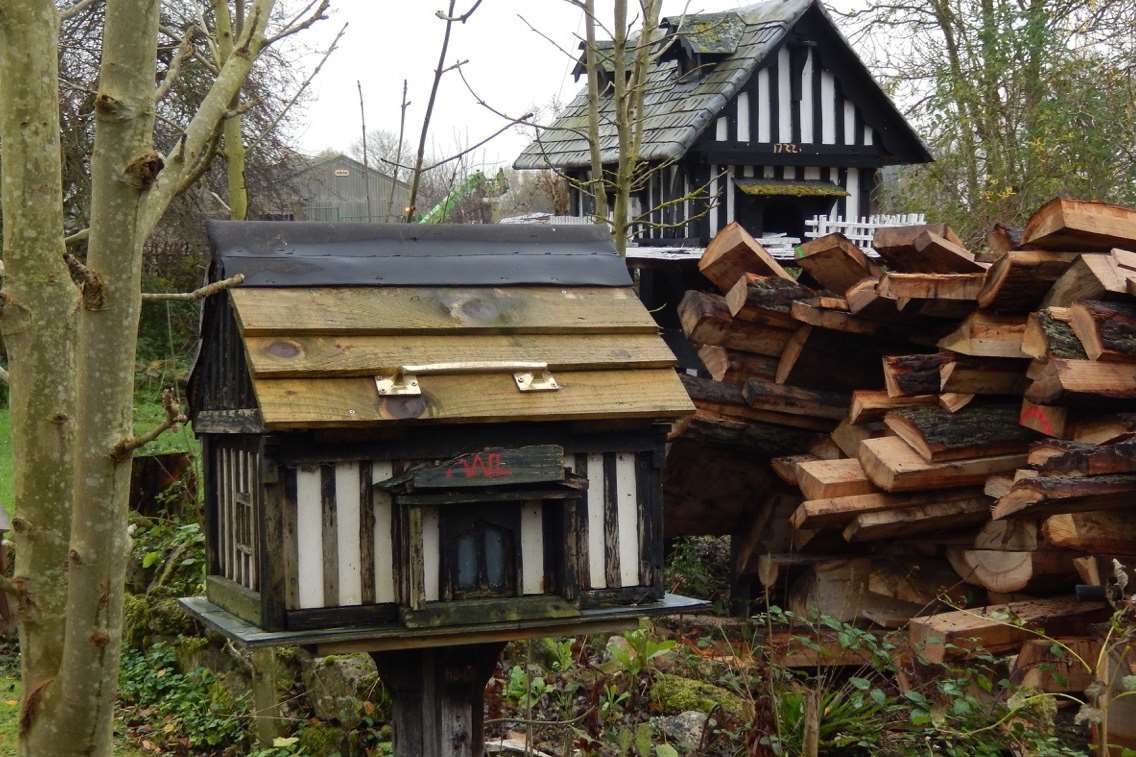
column 196, row 294
column 293, row 27
column 463, row 17
column 174, row 417
column 77, row 7
column 184, row 50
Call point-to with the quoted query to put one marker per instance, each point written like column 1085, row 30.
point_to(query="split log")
column 1082, row 381
column 1102, row 429
column 926, row 582
column 763, row 439
column 1102, row 532
column 1051, row 420
column 810, row 354
column 786, row 467
column 986, row 376
column 765, row 300
column 1089, row 277
column 1052, row 495
column 834, row 320
column 906, row 375
column 933, row 253
column 1061, row 665
column 977, row 431
column 1065, row 458
column 920, row 519
column 837, row 512
column 932, row 286
column 820, row 479
column 732, row 253
column 1107, row 330
column 734, row 367
column 998, row 485
column 1008, row 572
column 952, row 402
column 984, row 334
column 1067, row 224
column 728, row 400
column 872, row 405
column 705, row 319
column 848, row 435
column 894, row 466
column 835, row 262
column 895, row 244
column 864, row 300
column 766, row 395
column 1019, row 281
column 770, row 533
column 1012, row 535
column 834, row 589
column 1001, row 628
column 1049, row 334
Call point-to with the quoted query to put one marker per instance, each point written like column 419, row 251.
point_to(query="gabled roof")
column 679, row 107
column 310, row 164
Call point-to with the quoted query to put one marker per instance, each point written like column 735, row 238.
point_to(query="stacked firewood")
column 941, row 432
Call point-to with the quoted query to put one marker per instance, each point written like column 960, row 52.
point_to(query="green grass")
column 9, row 714
column 148, row 413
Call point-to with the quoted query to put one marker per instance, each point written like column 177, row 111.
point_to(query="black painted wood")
column 271, row 565
column 581, row 523
column 366, row 532
column 611, row 522
column 340, row 617
column 330, row 536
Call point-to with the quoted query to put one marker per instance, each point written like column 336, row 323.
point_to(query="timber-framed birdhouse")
column 428, row 430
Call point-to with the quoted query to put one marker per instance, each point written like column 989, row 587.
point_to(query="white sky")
column 510, row 66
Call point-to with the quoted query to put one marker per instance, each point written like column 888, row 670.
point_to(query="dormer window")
column 697, row 43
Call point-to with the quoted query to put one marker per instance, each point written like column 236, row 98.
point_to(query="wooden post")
column 438, row 696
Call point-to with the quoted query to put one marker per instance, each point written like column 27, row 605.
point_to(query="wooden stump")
column 438, row 698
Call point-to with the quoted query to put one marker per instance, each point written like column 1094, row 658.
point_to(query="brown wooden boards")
column 896, row 243
column 976, row 431
column 1049, row 495
column 833, row 512
column 932, row 286
column 1049, row 334
column 1089, row 277
column 765, row 299
column 766, row 395
column 808, row 355
column 918, row 519
column 706, row 320
column 933, row 253
column 1107, row 330
column 986, row 376
column 983, row 334
column 295, row 403
column 440, row 311
column 284, row 357
column 819, row 479
column 870, row 405
column 906, row 375
column 732, row 253
column 1068, row 224
column 728, row 400
column 1107, row 532
column 999, row 628
column 734, row 367
column 894, row 466
column 834, row 262
column 1083, row 381
column 1019, row 281
column 848, row 435
column 1052, row 457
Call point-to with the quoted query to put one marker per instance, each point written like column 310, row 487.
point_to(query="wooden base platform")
column 378, row 639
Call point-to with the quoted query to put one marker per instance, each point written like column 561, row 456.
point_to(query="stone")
column 339, row 685
column 676, row 694
column 683, row 731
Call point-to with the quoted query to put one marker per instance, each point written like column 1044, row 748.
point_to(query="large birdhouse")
column 428, row 432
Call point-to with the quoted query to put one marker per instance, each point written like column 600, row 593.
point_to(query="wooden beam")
column 1089, row 277
column 1107, row 330
column 734, row 367
column 1066, row 458
column 1050, row 495
column 766, row 395
column 894, row 466
column 870, row 405
column 837, row 512
column 706, row 319
column 1019, row 281
column 765, row 300
column 983, row 334
column 1067, row 224
column 934, row 253
column 847, row 436
column 1107, row 532
column 984, row 376
column 932, row 286
column 728, row 400
column 864, row 300
column 895, row 244
column 976, row 431
column 819, row 479
column 918, row 519
column 907, row 375
column 733, row 252
column 834, row 262
column 1083, row 381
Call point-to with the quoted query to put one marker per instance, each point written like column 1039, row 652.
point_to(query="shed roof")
column 678, row 108
column 314, row 339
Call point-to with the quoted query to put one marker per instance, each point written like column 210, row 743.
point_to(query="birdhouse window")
column 483, row 563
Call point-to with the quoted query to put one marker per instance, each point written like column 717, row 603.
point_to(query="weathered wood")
column 1107, row 330
column 1014, row 535
column 728, row 400
column 953, row 402
column 832, row 478
column 1049, row 334
column 984, row 334
column 997, row 485
column 328, row 528
column 962, row 287
column 1019, row 281
column 732, row 253
column 848, row 435
column 493, row 466
column 836, row 512
column 1006, row 572
column 711, row 490
column 273, row 564
column 834, row 262
column 765, row 300
column 1061, row 381
column 864, row 299
column 807, row 359
column 1050, row 495
column 766, row 395
column 934, row 253
column 831, row 589
column 834, row 319
column 1089, row 277
column 1103, row 532
column 294, row 356
column 786, row 467
column 403, row 311
column 611, row 522
column 754, row 437
column 1002, row 239
column 733, row 367
column 894, row 466
column 230, row 595
column 1067, row 224
column 1000, row 628
column 984, row 376
column 1066, row 458
column 228, row 422
column 706, row 319
column 976, row 431
column 906, row 375
column 895, row 244
column 917, row 519
column 872, row 405
column 1056, row 666
column 488, row 398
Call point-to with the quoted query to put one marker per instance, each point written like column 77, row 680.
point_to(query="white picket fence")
column 859, row 232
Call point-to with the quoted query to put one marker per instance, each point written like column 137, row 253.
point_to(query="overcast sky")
column 510, row 66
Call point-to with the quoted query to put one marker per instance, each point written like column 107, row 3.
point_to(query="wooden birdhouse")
column 429, row 431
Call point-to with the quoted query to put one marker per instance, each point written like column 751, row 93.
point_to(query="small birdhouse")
column 429, row 430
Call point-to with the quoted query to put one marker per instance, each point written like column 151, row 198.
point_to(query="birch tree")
column 70, row 328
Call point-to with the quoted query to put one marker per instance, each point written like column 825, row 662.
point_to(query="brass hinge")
column 528, row 376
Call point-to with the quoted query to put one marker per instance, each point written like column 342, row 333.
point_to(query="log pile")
column 927, row 433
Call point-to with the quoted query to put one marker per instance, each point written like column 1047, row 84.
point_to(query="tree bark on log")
column 1107, row 330
column 905, row 375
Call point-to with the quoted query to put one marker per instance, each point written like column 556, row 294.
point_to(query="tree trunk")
column 598, row 183
column 234, row 142
column 37, row 316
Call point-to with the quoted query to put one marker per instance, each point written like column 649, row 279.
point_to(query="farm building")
column 335, row 188
column 765, row 113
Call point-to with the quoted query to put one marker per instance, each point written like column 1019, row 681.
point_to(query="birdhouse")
column 429, row 430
